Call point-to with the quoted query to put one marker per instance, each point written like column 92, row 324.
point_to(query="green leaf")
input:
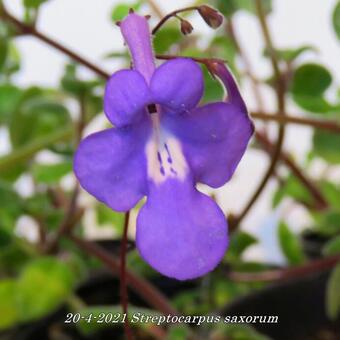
column 311, row 80
column 212, row 88
column 290, row 245
column 120, row 11
column 3, row 52
column 331, row 192
column 9, row 98
column 27, row 151
column 239, row 242
column 8, row 309
column 71, row 83
column 309, row 83
column 33, row 3
column 43, row 285
column 293, row 188
column 332, row 247
column 15, row 255
column 51, row 173
column 12, row 62
column 326, row 145
column 166, row 38
column 230, row 7
column 290, row 54
column 178, row 332
column 37, row 115
column 328, row 223
column 5, row 238
column 10, row 205
column 333, row 294
column 314, row 104
column 336, row 19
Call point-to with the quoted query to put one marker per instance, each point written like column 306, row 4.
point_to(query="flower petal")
column 111, row 165
column 181, row 232
column 178, row 84
column 214, row 139
column 126, row 95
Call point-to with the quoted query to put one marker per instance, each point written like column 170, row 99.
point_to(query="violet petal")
column 111, row 165
column 126, row 95
column 178, row 84
column 214, row 139
column 181, row 232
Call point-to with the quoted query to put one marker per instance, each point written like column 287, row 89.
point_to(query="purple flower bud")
column 212, row 17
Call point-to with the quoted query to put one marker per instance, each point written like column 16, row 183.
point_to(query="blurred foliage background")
column 51, row 268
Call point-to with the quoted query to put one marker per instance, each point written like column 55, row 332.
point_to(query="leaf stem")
column 280, row 95
column 170, row 15
column 287, row 273
column 329, row 125
column 29, row 29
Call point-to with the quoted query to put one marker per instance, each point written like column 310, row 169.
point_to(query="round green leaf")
column 9, row 97
column 332, row 247
column 333, row 294
column 43, row 285
column 8, row 310
column 51, row 173
column 3, row 51
column 165, row 38
column 311, row 80
column 290, row 245
column 309, row 83
column 327, row 145
column 37, row 115
column 33, row 3
column 336, row 19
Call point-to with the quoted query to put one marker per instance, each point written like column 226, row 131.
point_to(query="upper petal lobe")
column 126, row 95
column 178, row 84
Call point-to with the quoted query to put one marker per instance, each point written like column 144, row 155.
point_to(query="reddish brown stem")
column 172, row 14
column 247, row 64
column 123, row 288
column 280, row 94
column 287, row 273
column 67, row 223
column 331, row 126
column 28, row 29
column 142, row 287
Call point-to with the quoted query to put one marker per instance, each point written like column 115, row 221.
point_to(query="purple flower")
column 161, row 146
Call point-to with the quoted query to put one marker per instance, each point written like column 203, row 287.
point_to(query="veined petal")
column 178, row 84
column 214, row 139
column 181, row 232
column 111, row 165
column 126, row 95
